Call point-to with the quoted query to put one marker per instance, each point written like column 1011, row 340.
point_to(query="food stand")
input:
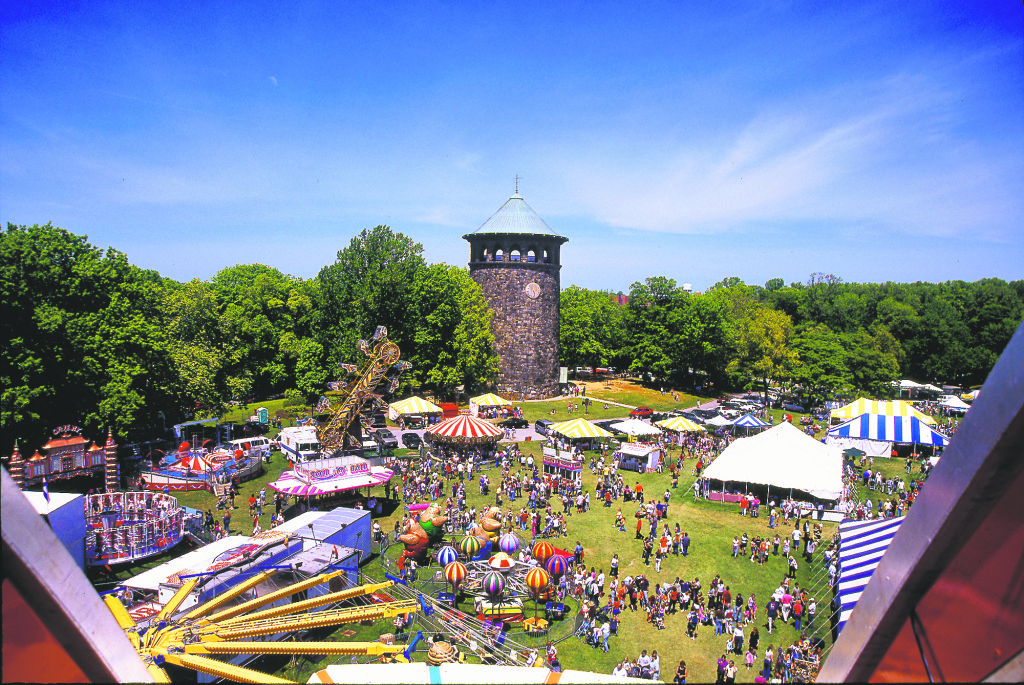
column 639, row 457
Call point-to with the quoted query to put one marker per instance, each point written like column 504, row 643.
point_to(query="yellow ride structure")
column 191, row 639
column 381, row 354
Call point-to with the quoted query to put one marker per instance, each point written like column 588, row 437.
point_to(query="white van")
column 299, row 443
column 255, row 444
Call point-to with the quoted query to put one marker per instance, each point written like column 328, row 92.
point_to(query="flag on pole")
column 46, row 490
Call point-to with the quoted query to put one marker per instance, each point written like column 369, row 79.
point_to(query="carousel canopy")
column 680, row 423
column 635, row 427
column 415, row 405
column 866, row 406
column 899, row 429
column 466, row 427
column 489, row 400
column 579, row 428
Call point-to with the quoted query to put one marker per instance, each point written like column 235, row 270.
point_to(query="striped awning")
column 861, row 546
column 466, row 428
column 290, row 484
column 579, row 428
column 899, row 429
column 894, row 408
column 680, row 424
column 415, row 405
column 750, row 421
column 490, row 400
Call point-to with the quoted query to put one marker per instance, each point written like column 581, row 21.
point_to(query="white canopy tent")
column 719, row 420
column 783, row 457
column 636, row 427
column 954, row 402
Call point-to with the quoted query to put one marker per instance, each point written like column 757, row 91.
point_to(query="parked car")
column 543, row 426
column 641, row 412
column 254, row 428
column 693, row 416
column 411, row 440
column 794, row 407
column 607, row 425
column 385, row 438
column 514, row 422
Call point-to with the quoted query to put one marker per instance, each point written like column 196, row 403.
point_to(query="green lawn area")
column 711, row 526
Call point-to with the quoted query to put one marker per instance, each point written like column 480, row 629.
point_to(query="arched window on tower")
column 513, row 256
column 531, row 256
column 499, row 256
column 546, row 258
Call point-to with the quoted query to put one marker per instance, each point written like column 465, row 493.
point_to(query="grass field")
column 711, row 527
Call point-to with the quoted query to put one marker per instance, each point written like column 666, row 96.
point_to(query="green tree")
column 453, row 344
column 82, row 338
column 371, row 283
column 763, row 344
column 821, row 371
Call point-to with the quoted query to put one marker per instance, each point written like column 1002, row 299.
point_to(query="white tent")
column 782, row 457
column 718, row 420
column 954, row 402
column 635, row 427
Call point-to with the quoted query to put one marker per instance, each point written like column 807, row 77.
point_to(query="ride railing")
column 125, row 526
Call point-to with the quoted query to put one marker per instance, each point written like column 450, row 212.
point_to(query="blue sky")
column 875, row 141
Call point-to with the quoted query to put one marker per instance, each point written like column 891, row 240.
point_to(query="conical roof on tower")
column 515, row 216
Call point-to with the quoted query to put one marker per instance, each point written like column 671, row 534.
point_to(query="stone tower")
column 514, row 256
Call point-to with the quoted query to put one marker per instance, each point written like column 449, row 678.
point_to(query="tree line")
column 93, row 340
column 821, row 338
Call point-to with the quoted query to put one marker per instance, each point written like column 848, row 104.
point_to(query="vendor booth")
column 332, row 475
column 640, row 458
column 579, row 432
column 413, row 412
column 488, row 406
column 562, row 463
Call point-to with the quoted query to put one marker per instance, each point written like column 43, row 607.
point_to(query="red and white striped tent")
column 466, row 429
column 193, row 462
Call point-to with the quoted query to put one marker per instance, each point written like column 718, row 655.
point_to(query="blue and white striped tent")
column 750, row 421
column 902, row 429
column 861, row 546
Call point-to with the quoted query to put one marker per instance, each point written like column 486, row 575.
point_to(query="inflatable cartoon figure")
column 489, row 527
column 432, row 522
column 416, row 541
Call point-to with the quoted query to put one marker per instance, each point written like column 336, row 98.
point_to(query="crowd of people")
column 537, row 505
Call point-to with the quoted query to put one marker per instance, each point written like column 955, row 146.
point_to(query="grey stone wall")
column 525, row 329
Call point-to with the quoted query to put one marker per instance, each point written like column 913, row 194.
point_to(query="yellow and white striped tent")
column 880, row 407
column 680, row 423
column 579, row 428
column 412, row 405
column 489, row 400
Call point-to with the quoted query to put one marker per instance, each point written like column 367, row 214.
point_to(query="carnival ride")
column 214, row 628
column 381, row 354
column 123, row 527
column 239, row 623
column 200, row 469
